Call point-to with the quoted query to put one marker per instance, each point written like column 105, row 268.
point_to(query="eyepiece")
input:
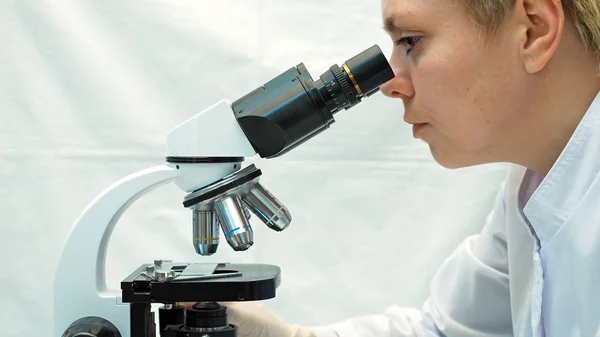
column 292, row 108
column 368, row 70
column 344, row 87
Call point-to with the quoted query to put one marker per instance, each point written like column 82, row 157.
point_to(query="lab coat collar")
column 569, row 178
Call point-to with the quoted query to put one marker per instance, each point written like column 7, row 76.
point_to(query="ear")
column 543, row 22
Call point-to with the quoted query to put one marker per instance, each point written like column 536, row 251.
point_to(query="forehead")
column 415, row 5
column 397, row 12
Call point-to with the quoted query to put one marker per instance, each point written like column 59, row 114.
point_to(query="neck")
column 560, row 110
column 561, row 94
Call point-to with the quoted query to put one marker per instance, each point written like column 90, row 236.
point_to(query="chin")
column 451, row 160
column 450, row 165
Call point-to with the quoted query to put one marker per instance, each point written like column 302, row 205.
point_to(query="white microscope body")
column 213, row 132
column 204, row 158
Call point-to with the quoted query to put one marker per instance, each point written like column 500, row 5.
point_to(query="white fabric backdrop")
column 88, row 90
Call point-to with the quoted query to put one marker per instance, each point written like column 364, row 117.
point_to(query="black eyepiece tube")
column 292, row 108
column 369, row 70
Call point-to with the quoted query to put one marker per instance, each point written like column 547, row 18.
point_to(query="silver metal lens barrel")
column 267, row 208
column 206, row 232
column 235, row 225
column 247, row 213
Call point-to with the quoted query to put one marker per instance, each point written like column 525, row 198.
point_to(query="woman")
column 498, row 81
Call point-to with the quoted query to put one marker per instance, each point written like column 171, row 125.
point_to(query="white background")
column 89, row 89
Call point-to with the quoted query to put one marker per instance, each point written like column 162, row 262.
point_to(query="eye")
column 408, row 41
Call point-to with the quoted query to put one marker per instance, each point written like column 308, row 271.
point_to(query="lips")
column 413, row 121
column 417, row 124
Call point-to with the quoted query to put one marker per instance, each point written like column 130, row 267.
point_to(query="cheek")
column 459, row 96
column 447, row 88
column 460, row 88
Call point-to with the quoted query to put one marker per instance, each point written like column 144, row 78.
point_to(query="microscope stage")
column 168, row 282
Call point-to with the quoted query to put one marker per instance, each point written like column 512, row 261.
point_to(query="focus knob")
column 91, row 327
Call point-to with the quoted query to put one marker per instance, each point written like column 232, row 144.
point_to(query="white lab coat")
column 532, row 271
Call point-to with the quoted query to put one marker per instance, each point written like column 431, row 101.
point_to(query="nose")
column 401, row 85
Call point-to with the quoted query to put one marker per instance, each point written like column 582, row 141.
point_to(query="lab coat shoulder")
column 469, row 294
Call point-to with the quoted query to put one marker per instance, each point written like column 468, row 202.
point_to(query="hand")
column 253, row 320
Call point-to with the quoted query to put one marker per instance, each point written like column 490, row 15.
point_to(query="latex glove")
column 253, row 320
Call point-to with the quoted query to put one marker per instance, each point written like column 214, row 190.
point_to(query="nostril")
column 386, row 89
column 397, row 94
column 398, row 87
column 390, row 91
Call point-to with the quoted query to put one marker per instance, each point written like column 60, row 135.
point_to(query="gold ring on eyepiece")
column 356, row 86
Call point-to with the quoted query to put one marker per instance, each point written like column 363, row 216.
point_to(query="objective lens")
column 206, row 232
column 267, row 208
column 235, row 225
column 247, row 212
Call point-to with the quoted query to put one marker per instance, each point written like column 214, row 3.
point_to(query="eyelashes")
column 408, row 42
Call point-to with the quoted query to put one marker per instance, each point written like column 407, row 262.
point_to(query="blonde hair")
column 585, row 15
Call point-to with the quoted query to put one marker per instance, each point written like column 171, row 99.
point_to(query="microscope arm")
column 81, row 270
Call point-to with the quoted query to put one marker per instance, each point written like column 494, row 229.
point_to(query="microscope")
column 204, row 159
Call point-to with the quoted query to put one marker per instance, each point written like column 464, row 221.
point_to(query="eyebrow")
column 389, row 24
